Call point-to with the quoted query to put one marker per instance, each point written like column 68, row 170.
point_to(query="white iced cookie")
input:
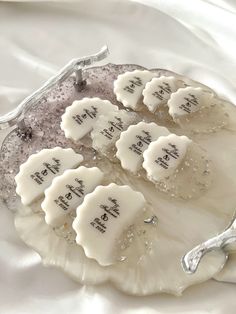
column 134, row 141
column 102, row 218
column 187, row 101
column 37, row 173
column 157, row 92
column 164, row 155
column 178, row 166
column 68, row 191
column 108, row 128
column 79, row 118
column 129, row 86
column 196, row 109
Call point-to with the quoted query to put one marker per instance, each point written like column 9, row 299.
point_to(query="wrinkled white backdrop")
column 196, row 38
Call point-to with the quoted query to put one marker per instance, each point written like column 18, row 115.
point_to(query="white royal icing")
column 37, row 173
column 164, row 156
column 134, row 141
column 108, row 128
column 68, row 191
column 129, row 86
column 188, row 100
column 103, row 216
column 79, row 118
column 158, row 91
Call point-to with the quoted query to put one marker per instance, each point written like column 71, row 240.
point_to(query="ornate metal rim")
column 191, row 260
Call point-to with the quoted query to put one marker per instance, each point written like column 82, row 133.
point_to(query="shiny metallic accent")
column 12, row 118
column 151, row 220
column 191, row 260
column 80, row 83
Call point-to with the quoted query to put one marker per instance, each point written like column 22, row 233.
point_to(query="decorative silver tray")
column 181, row 225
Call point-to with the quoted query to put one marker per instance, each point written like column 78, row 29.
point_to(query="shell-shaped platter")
column 181, row 224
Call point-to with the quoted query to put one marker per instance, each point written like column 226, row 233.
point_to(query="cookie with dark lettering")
column 134, row 141
column 129, row 86
column 197, row 110
column 156, row 94
column 102, row 217
column 108, row 128
column 79, row 118
column 67, row 192
column 37, row 173
column 178, row 166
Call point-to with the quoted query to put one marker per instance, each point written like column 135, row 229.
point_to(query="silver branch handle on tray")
column 191, row 260
column 16, row 116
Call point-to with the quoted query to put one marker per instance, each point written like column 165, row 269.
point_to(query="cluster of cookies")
column 137, row 142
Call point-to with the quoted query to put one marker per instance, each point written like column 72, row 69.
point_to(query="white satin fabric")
column 196, row 38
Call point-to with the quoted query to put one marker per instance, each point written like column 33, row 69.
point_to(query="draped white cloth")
column 196, row 38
